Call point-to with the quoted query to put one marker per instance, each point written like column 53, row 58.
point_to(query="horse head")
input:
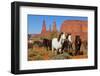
column 62, row 37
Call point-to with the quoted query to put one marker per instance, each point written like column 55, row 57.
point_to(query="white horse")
column 57, row 42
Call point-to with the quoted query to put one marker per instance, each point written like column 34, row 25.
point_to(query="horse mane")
column 67, row 36
column 60, row 36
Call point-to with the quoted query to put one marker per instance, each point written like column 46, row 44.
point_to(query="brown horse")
column 47, row 44
column 78, row 43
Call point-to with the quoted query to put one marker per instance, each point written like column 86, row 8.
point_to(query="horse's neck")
column 60, row 41
column 69, row 38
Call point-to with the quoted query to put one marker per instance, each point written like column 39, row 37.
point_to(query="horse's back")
column 54, row 40
column 55, row 43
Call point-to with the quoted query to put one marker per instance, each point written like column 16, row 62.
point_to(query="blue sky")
column 35, row 22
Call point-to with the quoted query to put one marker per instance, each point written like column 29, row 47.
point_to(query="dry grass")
column 40, row 53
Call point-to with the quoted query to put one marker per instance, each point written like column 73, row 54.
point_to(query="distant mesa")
column 74, row 26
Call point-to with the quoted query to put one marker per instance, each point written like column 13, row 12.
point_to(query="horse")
column 78, row 43
column 70, row 42
column 58, row 42
column 47, row 44
column 67, row 45
column 30, row 43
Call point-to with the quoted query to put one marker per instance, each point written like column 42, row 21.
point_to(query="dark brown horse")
column 65, row 45
column 78, row 43
column 47, row 44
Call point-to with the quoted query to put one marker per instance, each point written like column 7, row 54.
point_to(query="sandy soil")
column 41, row 53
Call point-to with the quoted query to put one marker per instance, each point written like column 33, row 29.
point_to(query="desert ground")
column 41, row 53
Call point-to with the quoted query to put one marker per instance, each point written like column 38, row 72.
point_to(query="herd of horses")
column 60, row 44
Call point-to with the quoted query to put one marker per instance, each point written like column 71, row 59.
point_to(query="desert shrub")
column 39, row 52
column 35, row 54
column 62, row 56
column 32, row 53
column 53, row 34
column 38, row 57
column 58, row 57
column 65, row 54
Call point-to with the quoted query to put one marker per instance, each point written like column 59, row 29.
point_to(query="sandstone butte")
column 74, row 26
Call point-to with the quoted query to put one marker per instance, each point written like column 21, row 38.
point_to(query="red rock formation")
column 74, row 26
column 49, row 30
column 45, row 32
column 54, row 29
column 43, row 27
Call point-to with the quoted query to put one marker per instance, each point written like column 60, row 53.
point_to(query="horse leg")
column 52, row 50
column 60, row 51
column 46, row 48
column 71, row 49
column 71, row 46
column 77, row 50
column 55, row 51
column 68, row 48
